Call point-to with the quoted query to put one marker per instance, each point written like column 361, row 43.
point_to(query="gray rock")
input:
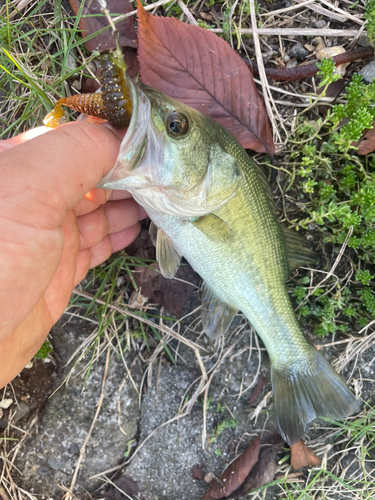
column 67, row 418
column 363, row 42
column 319, row 24
column 299, row 52
column 21, row 410
column 163, row 466
column 368, row 72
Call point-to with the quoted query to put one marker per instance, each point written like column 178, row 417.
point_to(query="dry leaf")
column 125, row 488
column 302, row 456
column 260, row 385
column 366, row 144
column 200, row 69
column 172, row 294
column 236, row 473
column 105, row 40
column 264, row 470
column 197, row 473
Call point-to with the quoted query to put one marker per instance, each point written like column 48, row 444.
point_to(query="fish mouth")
column 133, row 145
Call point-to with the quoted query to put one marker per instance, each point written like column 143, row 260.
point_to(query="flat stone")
column 368, row 72
column 68, row 415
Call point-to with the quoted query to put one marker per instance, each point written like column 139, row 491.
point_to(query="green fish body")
column 209, row 203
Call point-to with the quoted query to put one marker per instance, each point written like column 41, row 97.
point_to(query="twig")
column 341, row 16
column 146, row 7
column 342, row 12
column 332, row 270
column 287, row 9
column 83, row 447
column 3, row 494
column 187, row 13
column 267, row 96
column 302, row 72
column 294, row 32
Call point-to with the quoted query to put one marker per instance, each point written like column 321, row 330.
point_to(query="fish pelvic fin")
column 167, row 256
column 302, row 393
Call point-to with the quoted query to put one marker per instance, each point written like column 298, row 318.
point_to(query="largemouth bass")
column 209, row 203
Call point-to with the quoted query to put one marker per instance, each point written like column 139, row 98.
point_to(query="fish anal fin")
column 299, row 252
column 303, row 392
column 216, row 314
column 167, row 256
column 214, row 228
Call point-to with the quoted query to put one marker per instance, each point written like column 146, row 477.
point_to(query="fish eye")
column 177, row 124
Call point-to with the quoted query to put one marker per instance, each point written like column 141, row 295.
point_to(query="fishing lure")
column 113, row 104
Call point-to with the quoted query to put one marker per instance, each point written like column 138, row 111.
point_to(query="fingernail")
column 108, row 193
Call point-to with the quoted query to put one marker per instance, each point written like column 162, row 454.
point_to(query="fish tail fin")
column 303, row 392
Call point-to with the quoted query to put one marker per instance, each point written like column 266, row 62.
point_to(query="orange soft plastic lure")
column 113, row 103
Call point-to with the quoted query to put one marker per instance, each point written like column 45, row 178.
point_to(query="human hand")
column 51, row 231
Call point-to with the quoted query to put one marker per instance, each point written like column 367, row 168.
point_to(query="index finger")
column 59, row 168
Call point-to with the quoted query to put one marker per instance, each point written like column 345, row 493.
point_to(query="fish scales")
column 249, row 271
column 209, row 204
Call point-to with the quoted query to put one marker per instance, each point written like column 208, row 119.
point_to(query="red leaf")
column 201, row 70
column 302, row 456
column 236, row 474
column 105, row 40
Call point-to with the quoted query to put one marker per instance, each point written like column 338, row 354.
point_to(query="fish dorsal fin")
column 298, row 250
column 166, row 255
column 153, row 230
column 216, row 314
column 214, row 228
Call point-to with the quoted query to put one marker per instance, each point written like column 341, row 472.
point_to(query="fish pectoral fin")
column 308, row 390
column 216, row 315
column 298, row 250
column 167, row 256
column 214, row 228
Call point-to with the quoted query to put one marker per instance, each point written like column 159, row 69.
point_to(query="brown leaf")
column 105, row 40
column 302, row 456
column 126, row 488
column 236, row 473
column 334, row 90
column 197, row 472
column 261, row 383
column 200, row 69
column 264, row 470
column 367, row 143
column 172, row 294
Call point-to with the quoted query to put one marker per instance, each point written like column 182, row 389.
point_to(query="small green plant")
column 336, row 196
column 369, row 15
column 44, row 351
column 130, row 445
column 228, row 423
